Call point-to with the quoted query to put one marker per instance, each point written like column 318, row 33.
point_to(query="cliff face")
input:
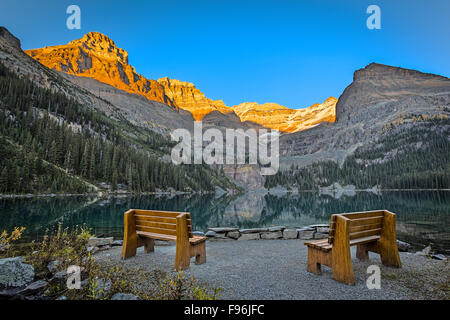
column 97, row 56
column 275, row 116
column 380, row 97
column 378, row 85
column 188, row 97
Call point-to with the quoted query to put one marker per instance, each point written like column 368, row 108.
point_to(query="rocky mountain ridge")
column 96, row 56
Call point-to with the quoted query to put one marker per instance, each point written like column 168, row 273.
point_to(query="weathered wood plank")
column 364, row 234
column 156, row 230
column 365, row 221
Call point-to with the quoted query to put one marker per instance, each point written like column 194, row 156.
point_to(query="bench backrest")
column 161, row 222
column 361, row 224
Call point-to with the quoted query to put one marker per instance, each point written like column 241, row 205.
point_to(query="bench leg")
column 341, row 259
column 130, row 238
column 342, row 267
column 129, row 247
column 182, row 255
column 387, row 245
column 362, row 252
column 199, row 252
column 149, row 245
column 313, row 265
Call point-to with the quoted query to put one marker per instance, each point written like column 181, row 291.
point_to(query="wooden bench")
column 370, row 231
column 142, row 227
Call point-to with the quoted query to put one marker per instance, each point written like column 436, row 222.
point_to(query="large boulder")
column 253, row 230
column 290, row 233
column 249, row 236
column 97, row 242
column 306, row 233
column 403, row 246
column 271, row 235
column 233, row 235
column 223, row 229
column 15, row 273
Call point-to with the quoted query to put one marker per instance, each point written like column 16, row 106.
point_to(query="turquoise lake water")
column 423, row 217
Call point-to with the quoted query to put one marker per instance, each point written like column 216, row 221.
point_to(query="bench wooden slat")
column 156, row 230
column 363, row 234
column 365, row 227
column 365, row 221
column 162, row 225
column 170, row 214
column 364, row 240
column 197, row 239
column 159, row 219
column 365, row 214
column 157, row 236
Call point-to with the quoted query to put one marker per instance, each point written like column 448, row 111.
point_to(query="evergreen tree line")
column 52, row 143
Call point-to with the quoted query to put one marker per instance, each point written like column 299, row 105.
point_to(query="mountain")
column 389, row 128
column 392, row 129
column 95, row 56
column 278, row 117
column 188, row 97
column 58, row 137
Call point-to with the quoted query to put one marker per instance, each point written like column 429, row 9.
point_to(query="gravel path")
column 276, row 269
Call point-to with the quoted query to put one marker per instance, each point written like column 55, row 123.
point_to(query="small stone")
column 97, row 242
column 210, row 234
column 319, row 235
column 439, row 257
column 290, row 233
column 53, row 266
column 220, row 236
column 426, row 251
column 117, row 243
column 198, row 233
column 34, row 288
column 249, row 236
column 403, row 246
column 93, row 249
column 253, row 230
column 15, row 273
column 306, row 233
column 274, row 229
column 271, row 235
column 233, row 234
column 102, row 248
column 223, row 230
column 125, row 296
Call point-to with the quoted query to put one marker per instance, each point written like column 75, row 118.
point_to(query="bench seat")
column 324, row 245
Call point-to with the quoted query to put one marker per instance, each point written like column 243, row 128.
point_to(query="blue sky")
column 295, row 53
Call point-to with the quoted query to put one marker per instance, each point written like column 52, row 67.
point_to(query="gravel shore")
column 276, row 269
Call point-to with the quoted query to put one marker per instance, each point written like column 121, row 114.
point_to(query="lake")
column 423, row 217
